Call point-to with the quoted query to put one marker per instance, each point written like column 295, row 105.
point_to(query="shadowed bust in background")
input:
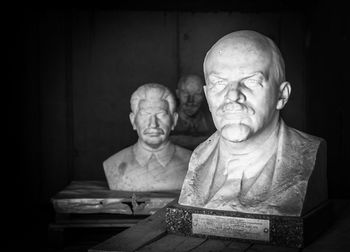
column 194, row 124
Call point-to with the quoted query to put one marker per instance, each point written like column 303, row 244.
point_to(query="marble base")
column 258, row 228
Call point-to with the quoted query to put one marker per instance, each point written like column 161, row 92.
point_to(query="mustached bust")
column 254, row 162
column 190, row 95
column 153, row 163
column 194, row 124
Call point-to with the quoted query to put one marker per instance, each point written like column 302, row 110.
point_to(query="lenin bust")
column 254, row 162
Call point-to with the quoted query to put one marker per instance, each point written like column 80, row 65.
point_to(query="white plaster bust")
column 153, row 163
column 194, row 125
column 254, row 162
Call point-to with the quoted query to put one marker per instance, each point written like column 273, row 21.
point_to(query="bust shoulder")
column 300, row 143
column 125, row 155
column 206, row 148
column 300, row 136
column 183, row 153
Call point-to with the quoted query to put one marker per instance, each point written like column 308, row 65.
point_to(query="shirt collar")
column 163, row 156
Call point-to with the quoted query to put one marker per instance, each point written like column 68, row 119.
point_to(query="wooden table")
column 91, row 205
column 87, row 197
column 150, row 235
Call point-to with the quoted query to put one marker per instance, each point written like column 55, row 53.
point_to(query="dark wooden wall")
column 89, row 63
column 71, row 73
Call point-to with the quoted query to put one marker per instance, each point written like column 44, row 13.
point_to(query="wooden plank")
column 237, row 246
column 263, row 248
column 150, row 235
column 91, row 189
column 97, row 224
column 221, row 245
column 145, row 232
column 86, row 197
column 172, row 242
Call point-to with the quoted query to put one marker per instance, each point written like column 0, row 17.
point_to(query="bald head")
column 245, row 86
column 247, row 47
column 191, row 82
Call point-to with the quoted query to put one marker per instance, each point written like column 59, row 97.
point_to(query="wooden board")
column 175, row 242
column 150, row 235
column 145, row 232
column 86, row 197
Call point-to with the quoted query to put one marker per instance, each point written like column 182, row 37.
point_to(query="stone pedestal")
column 258, row 228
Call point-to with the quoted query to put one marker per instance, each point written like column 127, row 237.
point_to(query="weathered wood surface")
column 145, row 232
column 150, row 235
column 101, row 220
column 95, row 197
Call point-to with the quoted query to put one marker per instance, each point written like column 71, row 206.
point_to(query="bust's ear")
column 177, row 91
column 175, row 118
column 206, row 97
column 132, row 120
column 284, row 93
column 205, row 90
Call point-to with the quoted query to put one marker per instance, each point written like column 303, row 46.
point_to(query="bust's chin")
column 153, row 143
column 190, row 111
column 235, row 132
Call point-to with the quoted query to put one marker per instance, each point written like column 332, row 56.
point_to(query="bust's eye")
column 162, row 114
column 198, row 96
column 218, row 85
column 184, row 95
column 251, row 83
column 143, row 113
column 220, row 82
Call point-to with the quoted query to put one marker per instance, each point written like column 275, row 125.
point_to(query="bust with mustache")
column 153, row 163
column 194, row 124
column 254, row 162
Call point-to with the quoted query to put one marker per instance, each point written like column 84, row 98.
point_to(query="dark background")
column 70, row 73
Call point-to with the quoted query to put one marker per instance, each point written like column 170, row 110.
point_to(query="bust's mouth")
column 154, row 132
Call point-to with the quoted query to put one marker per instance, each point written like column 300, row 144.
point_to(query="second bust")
column 153, row 163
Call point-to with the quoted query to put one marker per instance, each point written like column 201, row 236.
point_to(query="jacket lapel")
column 200, row 174
column 295, row 160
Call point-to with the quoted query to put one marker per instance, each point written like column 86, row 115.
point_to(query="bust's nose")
column 153, row 121
column 190, row 99
column 234, row 93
